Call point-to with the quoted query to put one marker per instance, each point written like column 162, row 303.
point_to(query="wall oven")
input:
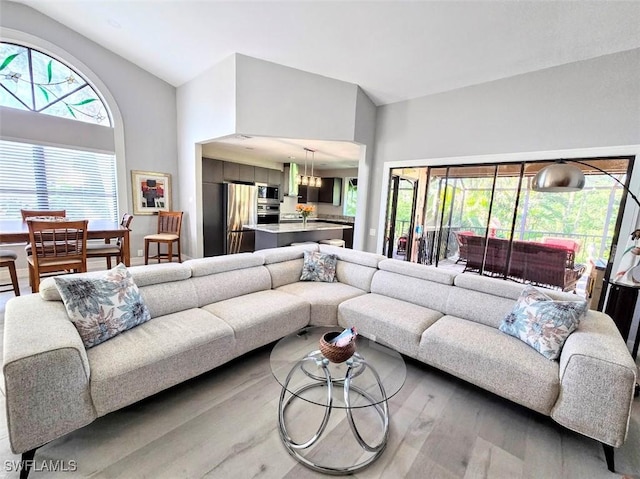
column 268, row 213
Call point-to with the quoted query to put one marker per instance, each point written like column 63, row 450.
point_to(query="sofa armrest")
column 597, row 380
column 46, row 373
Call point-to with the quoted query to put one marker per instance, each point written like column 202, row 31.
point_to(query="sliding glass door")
column 479, row 217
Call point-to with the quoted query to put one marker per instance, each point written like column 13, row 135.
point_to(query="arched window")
column 49, row 163
column 32, row 80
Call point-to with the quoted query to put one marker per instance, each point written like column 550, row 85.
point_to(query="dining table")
column 17, row 231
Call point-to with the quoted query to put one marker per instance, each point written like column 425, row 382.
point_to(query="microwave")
column 268, row 194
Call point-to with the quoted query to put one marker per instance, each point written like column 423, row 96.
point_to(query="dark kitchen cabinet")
column 275, row 177
column 307, row 194
column 247, row 173
column 330, row 191
column 212, row 171
column 268, row 176
column 238, row 172
column 262, row 175
column 231, row 171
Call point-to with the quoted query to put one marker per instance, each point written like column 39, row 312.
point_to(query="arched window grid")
column 35, row 81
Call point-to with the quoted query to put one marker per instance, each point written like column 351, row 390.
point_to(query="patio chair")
column 461, row 238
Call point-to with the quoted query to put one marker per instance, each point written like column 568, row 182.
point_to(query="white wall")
column 274, row 100
column 255, row 97
column 144, row 106
column 206, row 110
column 588, row 104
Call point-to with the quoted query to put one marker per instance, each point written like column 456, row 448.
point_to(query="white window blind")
column 43, row 177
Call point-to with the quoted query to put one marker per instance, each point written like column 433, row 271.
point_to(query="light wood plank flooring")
column 224, row 425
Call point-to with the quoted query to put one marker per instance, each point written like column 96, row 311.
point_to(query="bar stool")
column 8, row 259
column 333, row 242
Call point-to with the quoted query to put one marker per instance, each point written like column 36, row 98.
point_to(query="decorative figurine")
column 629, row 268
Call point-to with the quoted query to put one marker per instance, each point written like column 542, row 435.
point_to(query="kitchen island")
column 283, row 234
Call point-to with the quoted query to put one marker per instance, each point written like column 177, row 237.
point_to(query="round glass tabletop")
column 373, row 374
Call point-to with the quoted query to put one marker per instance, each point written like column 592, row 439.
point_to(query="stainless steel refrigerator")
column 241, row 202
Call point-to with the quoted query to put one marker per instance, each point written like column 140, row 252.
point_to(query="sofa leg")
column 608, row 454
column 26, row 463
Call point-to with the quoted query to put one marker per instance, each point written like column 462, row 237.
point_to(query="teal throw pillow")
column 541, row 322
column 319, row 267
column 101, row 308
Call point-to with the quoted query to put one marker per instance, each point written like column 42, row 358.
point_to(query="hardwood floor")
column 223, row 424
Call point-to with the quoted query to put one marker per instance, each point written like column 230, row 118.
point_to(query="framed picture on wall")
column 151, row 192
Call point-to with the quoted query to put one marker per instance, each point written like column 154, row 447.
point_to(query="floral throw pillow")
column 319, row 267
column 541, row 322
column 102, row 308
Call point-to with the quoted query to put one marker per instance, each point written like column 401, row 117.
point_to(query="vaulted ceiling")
column 395, row 50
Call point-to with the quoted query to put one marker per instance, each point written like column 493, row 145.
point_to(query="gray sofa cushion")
column 355, row 268
column 421, row 292
column 478, row 307
column 262, row 317
column 231, row 284
column 220, row 264
column 166, row 298
column 488, row 300
column 285, row 272
column 142, row 276
column 484, row 356
column 415, row 270
column 353, row 256
column 324, row 299
column 156, row 355
column 389, row 321
column 279, row 255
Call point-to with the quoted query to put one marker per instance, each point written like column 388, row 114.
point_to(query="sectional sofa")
column 205, row 312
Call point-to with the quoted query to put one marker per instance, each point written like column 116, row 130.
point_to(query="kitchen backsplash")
column 327, row 212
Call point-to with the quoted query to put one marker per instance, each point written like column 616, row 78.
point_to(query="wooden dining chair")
column 109, row 250
column 8, row 260
column 56, row 246
column 169, row 223
column 42, row 213
column 26, row 214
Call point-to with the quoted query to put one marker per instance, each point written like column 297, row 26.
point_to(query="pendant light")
column 304, row 179
column 313, row 181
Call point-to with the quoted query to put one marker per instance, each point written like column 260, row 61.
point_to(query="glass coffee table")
column 313, row 388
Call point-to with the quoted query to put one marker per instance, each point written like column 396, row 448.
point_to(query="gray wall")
column 144, row 106
column 593, row 103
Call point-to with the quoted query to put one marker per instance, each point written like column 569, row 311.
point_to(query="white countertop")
column 297, row 227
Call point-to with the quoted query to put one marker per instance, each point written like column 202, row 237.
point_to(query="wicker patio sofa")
column 540, row 264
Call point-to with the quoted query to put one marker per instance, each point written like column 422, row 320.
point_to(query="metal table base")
column 356, row 366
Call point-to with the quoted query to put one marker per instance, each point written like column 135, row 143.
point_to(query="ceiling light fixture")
column 305, row 180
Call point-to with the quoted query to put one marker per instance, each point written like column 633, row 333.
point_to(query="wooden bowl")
column 333, row 353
